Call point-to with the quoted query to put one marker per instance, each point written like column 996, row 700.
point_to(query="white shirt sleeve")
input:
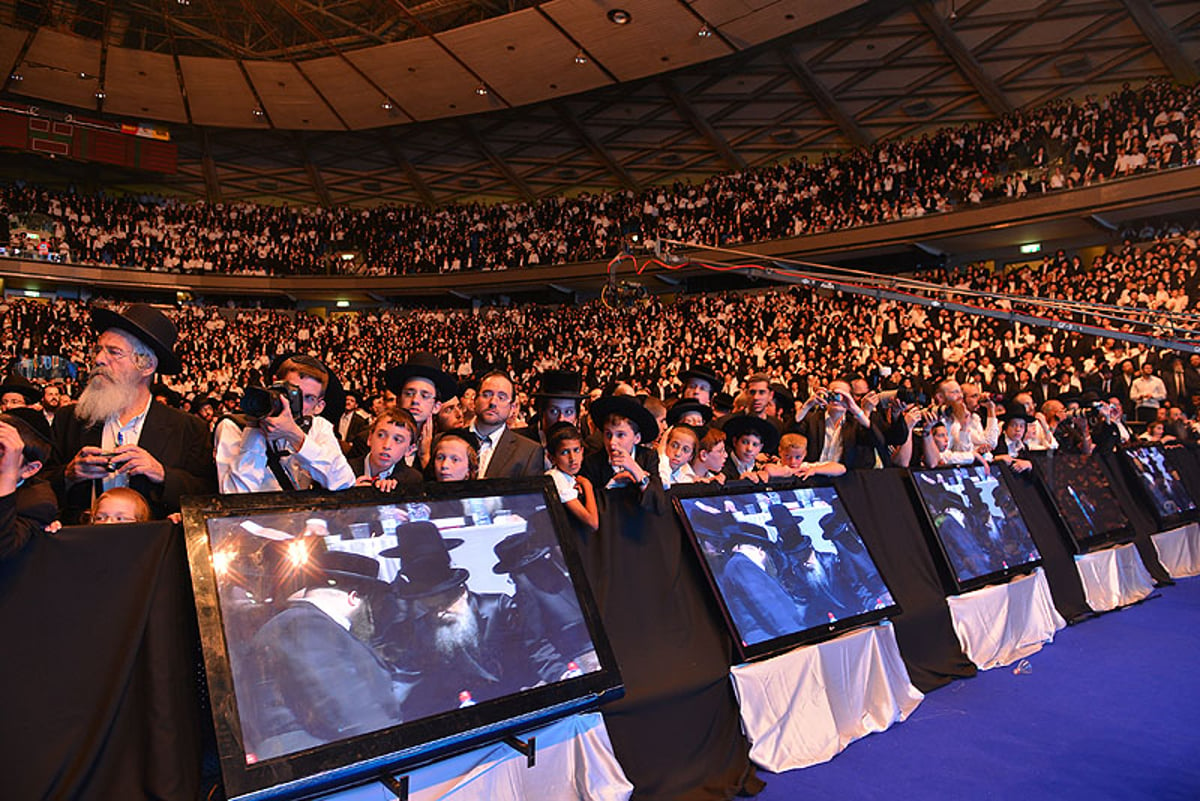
column 321, row 455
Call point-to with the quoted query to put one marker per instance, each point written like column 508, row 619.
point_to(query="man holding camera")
column 116, row 435
column 282, row 441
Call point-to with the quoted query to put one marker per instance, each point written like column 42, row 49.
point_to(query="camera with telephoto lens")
column 259, row 402
column 910, row 397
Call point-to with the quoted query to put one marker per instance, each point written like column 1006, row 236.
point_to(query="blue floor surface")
column 1111, row 710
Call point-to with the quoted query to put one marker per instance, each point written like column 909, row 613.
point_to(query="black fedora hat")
column 347, row 571
column 30, row 423
column 15, row 382
column 740, row 424
column 688, row 406
column 153, row 328
column 517, row 551
column 560, row 384
column 425, row 562
column 627, row 407
column 1016, row 411
column 422, row 364
column 740, row 532
column 335, row 396
column 704, row 373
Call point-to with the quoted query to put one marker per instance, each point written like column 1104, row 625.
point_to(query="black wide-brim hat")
column 517, row 551
column 335, row 394
column 30, row 422
column 15, row 382
column 746, row 424
column 153, row 328
column 1016, row 411
column 347, row 571
column 704, row 373
column 397, row 552
column 683, row 407
column 422, row 364
column 743, row 532
column 560, row 384
column 628, row 407
column 424, row 562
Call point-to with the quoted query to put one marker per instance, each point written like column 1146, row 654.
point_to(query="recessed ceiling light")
column 704, row 32
column 581, row 57
column 481, row 90
column 619, row 16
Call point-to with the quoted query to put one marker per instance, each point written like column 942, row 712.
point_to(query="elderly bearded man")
column 116, row 436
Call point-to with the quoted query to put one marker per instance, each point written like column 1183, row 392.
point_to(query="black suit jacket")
column 24, row 514
column 180, row 441
column 516, row 456
column 406, row 477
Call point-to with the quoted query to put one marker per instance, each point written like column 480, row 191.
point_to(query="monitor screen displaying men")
column 977, row 523
column 789, row 566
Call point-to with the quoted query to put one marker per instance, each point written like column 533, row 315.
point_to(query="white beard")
column 104, row 398
column 453, row 635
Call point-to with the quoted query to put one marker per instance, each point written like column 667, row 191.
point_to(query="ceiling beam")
column 825, row 99
column 594, row 146
column 314, row 174
column 988, row 89
column 500, row 164
column 1164, row 42
column 702, row 126
column 212, row 183
column 410, row 172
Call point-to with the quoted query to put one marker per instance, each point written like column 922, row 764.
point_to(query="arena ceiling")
column 390, row 101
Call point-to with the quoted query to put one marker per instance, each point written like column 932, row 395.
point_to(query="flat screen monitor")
column 787, row 566
column 1156, row 475
column 977, row 527
column 1083, row 498
column 348, row 635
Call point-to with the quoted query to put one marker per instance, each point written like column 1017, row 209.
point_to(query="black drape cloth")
column 1058, row 556
column 97, row 683
column 883, row 511
column 676, row 732
column 1140, row 517
column 1187, row 457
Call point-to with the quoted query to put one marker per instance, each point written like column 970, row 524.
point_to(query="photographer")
column 263, row 452
column 1069, row 426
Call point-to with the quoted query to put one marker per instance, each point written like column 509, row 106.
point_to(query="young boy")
column 792, row 449
column 564, row 444
column 748, row 437
column 454, row 457
column 624, row 424
column 27, row 504
column 391, row 440
column 710, row 456
column 119, row 505
column 675, row 455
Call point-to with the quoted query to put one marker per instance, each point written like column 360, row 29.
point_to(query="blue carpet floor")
column 1111, row 710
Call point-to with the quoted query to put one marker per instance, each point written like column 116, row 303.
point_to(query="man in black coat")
column 117, row 435
column 309, row 679
column 760, row 607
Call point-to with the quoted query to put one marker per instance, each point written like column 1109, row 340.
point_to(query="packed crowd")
column 649, row 343
column 1061, row 145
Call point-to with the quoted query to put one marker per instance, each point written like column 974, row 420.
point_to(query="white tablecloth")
column 1179, row 550
column 803, row 707
column 575, row 762
column 1001, row 623
column 1114, row 577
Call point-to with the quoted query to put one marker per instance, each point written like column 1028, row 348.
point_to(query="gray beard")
column 452, row 636
column 104, row 399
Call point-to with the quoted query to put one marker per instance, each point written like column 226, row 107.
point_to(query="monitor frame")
column 1082, row 545
column 750, row 652
column 942, row 558
column 370, row 757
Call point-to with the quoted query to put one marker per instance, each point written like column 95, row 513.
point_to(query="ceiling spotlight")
column 619, row 16
column 83, row 76
column 481, row 90
column 581, row 57
column 16, row 77
column 100, row 95
column 184, row 2
column 704, row 32
column 387, row 105
column 258, row 112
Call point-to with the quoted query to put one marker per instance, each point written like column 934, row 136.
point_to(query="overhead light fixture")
column 481, row 90
column 100, row 95
column 16, row 77
column 387, row 105
column 258, row 112
column 619, row 16
column 83, row 76
column 704, row 32
column 343, row 304
column 581, row 57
